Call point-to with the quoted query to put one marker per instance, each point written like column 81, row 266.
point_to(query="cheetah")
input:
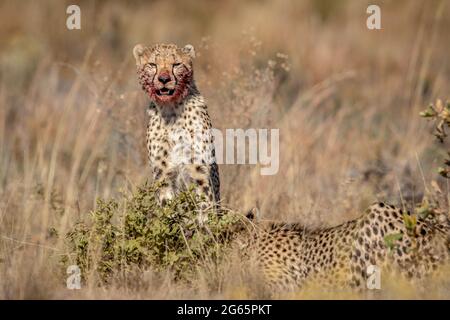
column 290, row 255
column 180, row 143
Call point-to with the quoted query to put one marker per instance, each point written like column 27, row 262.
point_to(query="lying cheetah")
column 179, row 140
column 290, row 255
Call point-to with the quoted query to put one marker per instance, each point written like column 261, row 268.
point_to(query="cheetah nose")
column 164, row 78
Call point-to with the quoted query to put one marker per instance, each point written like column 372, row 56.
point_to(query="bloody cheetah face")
column 165, row 71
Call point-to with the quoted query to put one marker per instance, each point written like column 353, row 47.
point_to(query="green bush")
column 135, row 231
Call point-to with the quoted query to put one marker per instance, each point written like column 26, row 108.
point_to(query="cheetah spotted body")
column 290, row 255
column 179, row 141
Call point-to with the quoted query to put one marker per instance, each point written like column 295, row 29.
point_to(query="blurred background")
column 345, row 98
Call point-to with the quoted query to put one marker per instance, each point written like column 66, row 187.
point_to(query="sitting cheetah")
column 179, row 140
column 290, row 255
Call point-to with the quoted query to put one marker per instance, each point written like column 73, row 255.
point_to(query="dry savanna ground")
column 345, row 99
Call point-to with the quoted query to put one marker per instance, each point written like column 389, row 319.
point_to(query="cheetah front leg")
column 165, row 180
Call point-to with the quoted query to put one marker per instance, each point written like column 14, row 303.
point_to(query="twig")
column 29, row 243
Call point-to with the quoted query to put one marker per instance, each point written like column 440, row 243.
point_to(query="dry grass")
column 346, row 101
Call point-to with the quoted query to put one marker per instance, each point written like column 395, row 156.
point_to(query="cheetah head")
column 165, row 71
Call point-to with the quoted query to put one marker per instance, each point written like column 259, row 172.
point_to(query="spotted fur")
column 180, row 144
column 290, row 255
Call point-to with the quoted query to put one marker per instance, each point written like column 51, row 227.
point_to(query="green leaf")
column 410, row 222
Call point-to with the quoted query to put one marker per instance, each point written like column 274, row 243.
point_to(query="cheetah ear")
column 253, row 215
column 189, row 50
column 138, row 52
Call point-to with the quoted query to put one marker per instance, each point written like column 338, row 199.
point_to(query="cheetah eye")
column 176, row 64
column 152, row 65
